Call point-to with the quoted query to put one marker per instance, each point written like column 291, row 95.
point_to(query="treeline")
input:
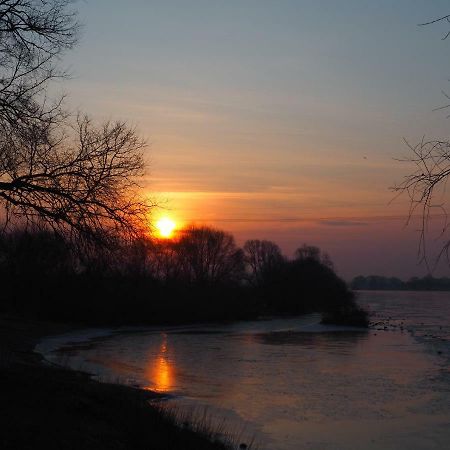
column 200, row 276
column 379, row 283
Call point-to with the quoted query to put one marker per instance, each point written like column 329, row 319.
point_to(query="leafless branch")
column 431, row 160
column 82, row 179
column 440, row 19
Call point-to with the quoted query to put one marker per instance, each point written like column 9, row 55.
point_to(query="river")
column 292, row 383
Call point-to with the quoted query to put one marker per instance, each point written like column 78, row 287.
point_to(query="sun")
column 165, row 227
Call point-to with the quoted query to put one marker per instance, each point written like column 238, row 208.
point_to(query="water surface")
column 292, row 383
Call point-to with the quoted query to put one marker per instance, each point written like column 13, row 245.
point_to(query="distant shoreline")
column 382, row 283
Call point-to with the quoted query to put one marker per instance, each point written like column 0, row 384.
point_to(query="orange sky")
column 277, row 120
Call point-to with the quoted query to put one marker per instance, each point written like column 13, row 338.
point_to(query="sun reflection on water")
column 160, row 371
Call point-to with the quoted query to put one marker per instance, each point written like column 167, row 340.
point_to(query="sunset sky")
column 274, row 119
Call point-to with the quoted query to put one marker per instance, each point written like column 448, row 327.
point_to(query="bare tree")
column 425, row 187
column 84, row 182
column 312, row 253
column 164, row 260
column 34, row 254
column 70, row 175
column 261, row 257
column 208, row 255
column 33, row 36
column 426, row 184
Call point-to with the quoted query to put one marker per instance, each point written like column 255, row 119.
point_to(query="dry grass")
column 201, row 421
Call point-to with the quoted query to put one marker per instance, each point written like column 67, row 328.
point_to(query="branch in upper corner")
column 440, row 19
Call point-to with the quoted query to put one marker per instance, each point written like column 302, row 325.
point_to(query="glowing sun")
column 165, row 227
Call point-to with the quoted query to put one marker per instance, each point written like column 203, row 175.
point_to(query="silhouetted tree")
column 312, row 253
column 425, row 185
column 35, row 254
column 164, row 260
column 208, row 255
column 33, row 36
column 76, row 178
column 196, row 277
column 84, row 184
column 261, row 257
column 136, row 259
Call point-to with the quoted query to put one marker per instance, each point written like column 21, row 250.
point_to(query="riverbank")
column 49, row 407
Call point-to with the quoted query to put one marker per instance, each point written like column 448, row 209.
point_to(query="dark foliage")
column 199, row 277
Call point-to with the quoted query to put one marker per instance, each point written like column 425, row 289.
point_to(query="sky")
column 275, row 119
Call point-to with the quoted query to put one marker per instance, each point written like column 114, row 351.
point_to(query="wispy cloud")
column 343, row 223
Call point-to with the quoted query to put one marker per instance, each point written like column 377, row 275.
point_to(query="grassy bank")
column 54, row 408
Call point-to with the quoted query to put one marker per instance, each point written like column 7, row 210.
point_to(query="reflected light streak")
column 160, row 372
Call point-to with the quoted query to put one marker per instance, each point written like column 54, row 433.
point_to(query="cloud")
column 342, row 223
